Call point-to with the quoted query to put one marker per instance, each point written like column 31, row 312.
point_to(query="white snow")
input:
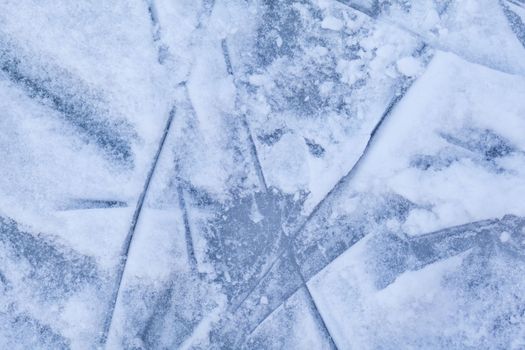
column 288, row 94
column 504, row 237
column 291, row 326
column 332, row 23
column 409, row 66
column 459, row 29
column 478, row 97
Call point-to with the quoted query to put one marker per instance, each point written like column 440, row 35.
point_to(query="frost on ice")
column 340, row 174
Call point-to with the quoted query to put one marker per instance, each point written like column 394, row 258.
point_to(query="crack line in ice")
column 90, row 203
column 190, row 249
column 164, row 52
column 337, row 187
column 244, row 120
column 372, row 12
column 187, row 231
column 162, row 48
column 476, row 227
column 129, row 237
column 311, row 300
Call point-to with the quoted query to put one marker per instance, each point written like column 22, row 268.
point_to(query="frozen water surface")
column 310, row 174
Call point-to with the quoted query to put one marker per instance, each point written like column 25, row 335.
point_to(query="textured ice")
column 295, row 174
column 455, row 288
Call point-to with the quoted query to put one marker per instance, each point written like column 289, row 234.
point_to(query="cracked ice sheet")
column 477, row 30
column 205, row 172
column 473, row 299
column 212, row 165
column 163, row 304
column 212, row 153
column 210, row 168
column 76, row 137
column 291, row 326
column 314, row 80
column 443, row 160
column 452, row 143
column 203, row 169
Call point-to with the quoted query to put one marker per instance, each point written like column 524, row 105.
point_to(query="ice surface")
column 302, row 174
column 315, row 80
column 457, row 288
column 82, row 108
column 448, row 159
column 292, row 326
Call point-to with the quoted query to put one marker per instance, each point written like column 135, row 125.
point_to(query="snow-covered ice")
column 230, row 174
